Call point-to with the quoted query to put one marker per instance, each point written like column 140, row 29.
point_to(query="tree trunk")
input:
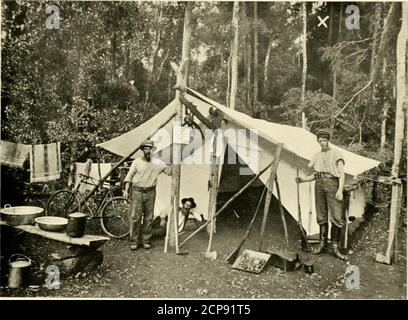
column 384, row 125
column 249, row 74
column 385, row 37
column 234, row 56
column 375, row 25
column 401, row 89
column 255, row 98
column 402, row 98
column 176, row 169
column 266, row 64
column 228, row 81
column 153, row 56
column 304, row 70
column 331, row 23
column 185, row 55
column 244, row 50
column 332, row 123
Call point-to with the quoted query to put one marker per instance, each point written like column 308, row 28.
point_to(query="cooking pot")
column 20, row 215
column 51, row 223
column 76, row 224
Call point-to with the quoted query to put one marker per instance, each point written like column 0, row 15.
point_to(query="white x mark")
column 322, row 22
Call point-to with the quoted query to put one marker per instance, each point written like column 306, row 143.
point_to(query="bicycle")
column 112, row 210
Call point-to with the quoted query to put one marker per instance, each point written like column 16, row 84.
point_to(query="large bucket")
column 19, row 270
column 76, row 224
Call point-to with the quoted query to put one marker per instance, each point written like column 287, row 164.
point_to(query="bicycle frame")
column 84, row 200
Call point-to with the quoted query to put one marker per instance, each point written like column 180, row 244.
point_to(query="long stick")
column 302, row 232
column 268, row 198
column 213, row 188
column 226, row 204
column 282, row 214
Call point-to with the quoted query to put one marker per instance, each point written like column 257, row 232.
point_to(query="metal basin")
column 52, row 223
column 20, row 215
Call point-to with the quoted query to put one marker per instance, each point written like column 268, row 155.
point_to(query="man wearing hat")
column 142, row 178
column 160, row 223
column 328, row 165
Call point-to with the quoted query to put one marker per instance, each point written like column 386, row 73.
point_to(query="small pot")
column 20, row 215
column 52, row 223
column 76, row 224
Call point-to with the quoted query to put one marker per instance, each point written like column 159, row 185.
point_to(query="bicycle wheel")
column 62, row 203
column 115, row 219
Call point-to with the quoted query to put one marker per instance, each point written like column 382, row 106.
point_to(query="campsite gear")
column 286, row 260
column 226, row 204
column 322, row 245
column 52, row 223
column 305, row 242
column 20, row 215
column 234, row 254
column 272, row 175
column 112, row 210
column 76, row 224
column 45, row 162
column 346, row 213
column 13, row 154
column 307, row 261
column 300, row 147
column 251, row 261
column 19, row 266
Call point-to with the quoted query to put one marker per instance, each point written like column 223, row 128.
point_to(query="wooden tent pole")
column 212, row 201
column 221, row 210
column 282, row 214
column 268, row 198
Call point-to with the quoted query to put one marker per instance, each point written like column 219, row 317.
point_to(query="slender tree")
column 255, row 96
column 234, row 56
column 304, row 69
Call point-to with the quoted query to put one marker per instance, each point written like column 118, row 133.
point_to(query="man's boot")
column 322, row 246
column 335, row 239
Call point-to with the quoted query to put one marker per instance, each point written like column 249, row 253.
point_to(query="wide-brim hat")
column 193, row 204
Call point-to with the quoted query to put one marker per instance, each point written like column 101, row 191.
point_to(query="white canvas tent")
column 299, row 146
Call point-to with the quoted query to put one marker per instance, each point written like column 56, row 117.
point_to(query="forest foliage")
column 107, row 68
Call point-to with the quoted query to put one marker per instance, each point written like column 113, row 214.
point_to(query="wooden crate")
column 251, row 261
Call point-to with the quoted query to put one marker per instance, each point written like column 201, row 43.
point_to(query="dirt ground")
column 152, row 274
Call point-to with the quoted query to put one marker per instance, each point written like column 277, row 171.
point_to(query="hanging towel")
column 45, row 162
column 82, row 168
column 13, row 154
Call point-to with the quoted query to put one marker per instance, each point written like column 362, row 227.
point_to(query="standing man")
column 328, row 165
column 142, row 176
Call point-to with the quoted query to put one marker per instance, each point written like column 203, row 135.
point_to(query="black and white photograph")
column 203, row 150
